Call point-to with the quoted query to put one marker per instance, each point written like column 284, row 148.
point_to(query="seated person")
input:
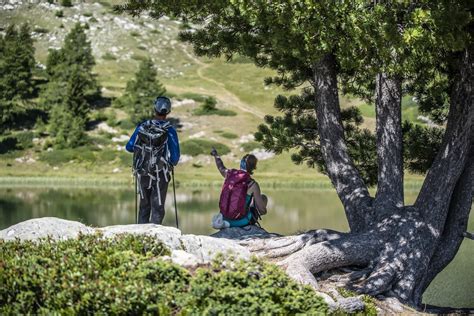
column 256, row 202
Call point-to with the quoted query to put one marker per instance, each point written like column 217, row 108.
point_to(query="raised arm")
column 220, row 165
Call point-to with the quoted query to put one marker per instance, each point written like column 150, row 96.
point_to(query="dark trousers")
column 150, row 209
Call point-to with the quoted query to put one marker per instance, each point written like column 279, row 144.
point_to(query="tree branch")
column 388, row 104
column 468, row 235
column 349, row 185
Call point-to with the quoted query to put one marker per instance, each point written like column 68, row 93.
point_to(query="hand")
column 214, row 152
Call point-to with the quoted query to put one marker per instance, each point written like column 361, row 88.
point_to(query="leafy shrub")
column 59, row 13
column 25, row 139
column 93, row 20
column 88, row 14
column 209, row 108
column 125, row 275
column 8, row 143
column 229, row 135
column 248, row 147
column 66, row 3
column 194, row 147
column 109, row 56
column 41, row 30
column 139, row 57
column 134, row 34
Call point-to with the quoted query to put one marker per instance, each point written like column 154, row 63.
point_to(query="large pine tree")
column 70, row 89
column 377, row 50
column 16, row 67
column 141, row 91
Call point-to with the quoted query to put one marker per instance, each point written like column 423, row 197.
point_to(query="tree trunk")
column 456, row 225
column 341, row 170
column 388, row 104
column 404, row 249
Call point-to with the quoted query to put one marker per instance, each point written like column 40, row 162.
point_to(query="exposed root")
column 284, row 246
column 378, row 282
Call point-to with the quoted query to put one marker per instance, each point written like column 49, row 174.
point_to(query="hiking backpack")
column 150, row 152
column 232, row 202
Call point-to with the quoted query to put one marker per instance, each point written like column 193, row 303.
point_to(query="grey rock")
column 170, row 236
column 37, row 228
column 199, row 249
column 205, row 248
column 184, row 259
column 350, row 304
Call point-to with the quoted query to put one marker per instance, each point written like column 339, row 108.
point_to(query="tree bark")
column 456, row 225
column 388, row 105
column 435, row 194
column 345, row 177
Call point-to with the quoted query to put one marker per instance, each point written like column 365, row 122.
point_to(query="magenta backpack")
column 233, row 195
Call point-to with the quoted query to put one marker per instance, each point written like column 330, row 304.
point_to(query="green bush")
column 209, row 108
column 59, row 13
column 125, row 275
column 41, row 30
column 139, row 57
column 25, row 139
column 109, row 56
column 134, row 33
column 229, row 135
column 88, row 14
column 66, row 3
column 248, row 147
column 8, row 143
column 194, row 147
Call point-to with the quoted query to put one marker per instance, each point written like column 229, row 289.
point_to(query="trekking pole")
column 174, row 195
column 136, row 202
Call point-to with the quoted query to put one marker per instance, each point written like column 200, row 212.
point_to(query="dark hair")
column 250, row 162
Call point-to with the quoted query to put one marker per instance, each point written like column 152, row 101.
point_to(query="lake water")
column 290, row 211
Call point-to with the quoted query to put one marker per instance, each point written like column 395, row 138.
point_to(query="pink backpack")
column 233, row 194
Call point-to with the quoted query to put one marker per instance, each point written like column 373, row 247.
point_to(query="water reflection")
column 290, row 211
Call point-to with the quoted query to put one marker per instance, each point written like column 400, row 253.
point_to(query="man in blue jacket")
column 153, row 193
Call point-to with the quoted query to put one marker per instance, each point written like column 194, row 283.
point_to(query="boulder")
column 188, row 250
column 37, row 228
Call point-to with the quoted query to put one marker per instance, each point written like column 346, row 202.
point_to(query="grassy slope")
column 237, row 86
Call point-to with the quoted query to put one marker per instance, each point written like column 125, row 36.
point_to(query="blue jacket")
column 173, row 143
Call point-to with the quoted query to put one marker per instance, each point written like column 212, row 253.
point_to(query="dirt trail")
column 223, row 95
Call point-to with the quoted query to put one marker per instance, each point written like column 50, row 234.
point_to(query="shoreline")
column 124, row 182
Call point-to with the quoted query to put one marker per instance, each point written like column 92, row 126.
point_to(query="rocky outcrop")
column 186, row 250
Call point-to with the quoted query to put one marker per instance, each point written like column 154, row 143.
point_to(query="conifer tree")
column 70, row 89
column 141, row 91
column 16, row 66
column 376, row 50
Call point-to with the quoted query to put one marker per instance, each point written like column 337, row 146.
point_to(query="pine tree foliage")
column 16, row 67
column 141, row 91
column 416, row 42
column 71, row 88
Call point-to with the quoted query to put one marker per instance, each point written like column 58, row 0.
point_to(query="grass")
column 195, row 147
column 229, row 135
